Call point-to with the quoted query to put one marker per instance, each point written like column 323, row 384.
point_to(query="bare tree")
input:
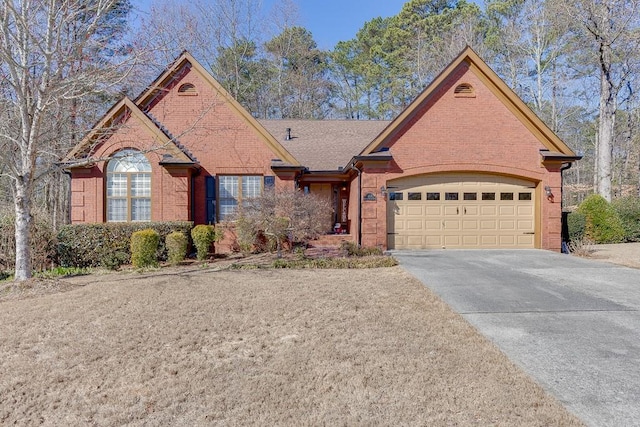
column 41, row 42
column 611, row 30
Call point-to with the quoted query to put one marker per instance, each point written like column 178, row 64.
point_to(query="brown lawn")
column 194, row 346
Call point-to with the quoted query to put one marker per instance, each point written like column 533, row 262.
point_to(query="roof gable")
column 110, row 123
column 469, row 58
column 174, row 72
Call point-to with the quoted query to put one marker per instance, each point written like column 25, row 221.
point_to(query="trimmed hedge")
column 577, row 223
column 628, row 209
column 177, row 244
column 602, row 222
column 108, row 245
column 144, row 248
column 203, row 237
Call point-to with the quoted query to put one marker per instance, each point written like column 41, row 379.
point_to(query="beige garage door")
column 460, row 211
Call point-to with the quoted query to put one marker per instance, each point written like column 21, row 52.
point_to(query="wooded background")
column 64, row 63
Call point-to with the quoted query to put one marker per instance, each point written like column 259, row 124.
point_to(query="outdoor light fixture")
column 383, row 191
column 549, row 193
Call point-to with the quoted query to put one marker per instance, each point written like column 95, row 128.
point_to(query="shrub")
column 203, row 236
column 351, row 249
column 576, row 222
column 628, row 210
column 281, row 217
column 43, row 241
column 108, row 244
column 177, row 244
column 144, row 248
column 602, row 222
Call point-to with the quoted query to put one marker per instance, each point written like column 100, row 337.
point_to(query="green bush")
column 177, row 244
column 576, row 222
column 144, row 248
column 351, row 249
column 203, row 236
column 108, row 244
column 602, row 222
column 628, row 209
column 43, row 241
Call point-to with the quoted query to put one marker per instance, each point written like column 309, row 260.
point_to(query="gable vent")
column 187, row 89
column 464, row 90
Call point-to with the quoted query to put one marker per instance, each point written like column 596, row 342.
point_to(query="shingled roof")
column 324, row 145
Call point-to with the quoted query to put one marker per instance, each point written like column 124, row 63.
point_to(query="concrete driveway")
column 573, row 324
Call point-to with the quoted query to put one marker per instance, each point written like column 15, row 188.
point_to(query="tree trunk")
column 22, row 204
column 606, row 125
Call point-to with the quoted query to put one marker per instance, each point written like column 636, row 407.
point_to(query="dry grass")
column 265, row 347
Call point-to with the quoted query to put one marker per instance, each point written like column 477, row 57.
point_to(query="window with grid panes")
column 235, row 190
column 128, row 187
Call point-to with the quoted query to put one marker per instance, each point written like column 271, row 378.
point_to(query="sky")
column 330, row 21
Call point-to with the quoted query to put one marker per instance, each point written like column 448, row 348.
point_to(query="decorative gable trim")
column 112, row 121
column 496, row 85
column 187, row 61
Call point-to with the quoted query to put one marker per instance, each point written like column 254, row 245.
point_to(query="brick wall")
column 464, row 134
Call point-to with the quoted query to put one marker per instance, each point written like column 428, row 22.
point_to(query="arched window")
column 128, row 187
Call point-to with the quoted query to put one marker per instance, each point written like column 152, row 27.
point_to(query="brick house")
column 466, row 165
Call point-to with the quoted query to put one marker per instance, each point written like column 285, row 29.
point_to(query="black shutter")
column 210, row 184
column 269, row 182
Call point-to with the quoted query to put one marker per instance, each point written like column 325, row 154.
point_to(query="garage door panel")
column 507, row 240
column 488, row 224
column 414, row 241
column 471, row 210
column 525, row 225
column 525, row 210
column 451, row 210
column 507, row 225
column 432, row 225
column 414, row 211
column 506, row 210
column 450, row 225
column 526, row 239
column 452, row 241
column 489, row 241
column 471, row 241
column 433, row 211
column 470, row 225
column 434, row 241
column 414, row 224
column 490, row 212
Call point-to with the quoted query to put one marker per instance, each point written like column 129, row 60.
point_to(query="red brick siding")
column 479, row 134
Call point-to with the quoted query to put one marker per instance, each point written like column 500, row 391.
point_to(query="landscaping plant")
column 283, row 217
column 203, row 237
column 628, row 209
column 177, row 244
column 144, row 248
column 602, row 222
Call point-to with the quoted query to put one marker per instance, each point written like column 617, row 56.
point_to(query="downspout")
column 564, row 240
column 359, row 172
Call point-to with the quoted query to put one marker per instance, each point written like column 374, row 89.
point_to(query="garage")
column 461, row 211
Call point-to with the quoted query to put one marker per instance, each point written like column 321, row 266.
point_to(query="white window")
column 235, row 190
column 128, row 187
